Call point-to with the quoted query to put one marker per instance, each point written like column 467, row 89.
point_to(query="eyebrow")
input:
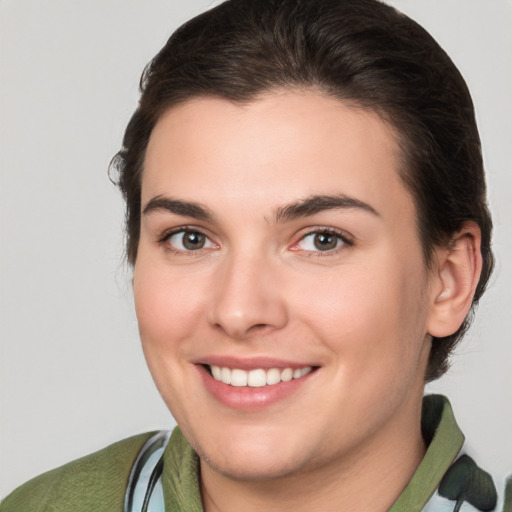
column 302, row 208
column 319, row 203
column 185, row 208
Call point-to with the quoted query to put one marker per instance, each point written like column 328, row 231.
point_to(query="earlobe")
column 457, row 273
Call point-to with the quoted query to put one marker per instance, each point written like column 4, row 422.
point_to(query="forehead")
column 279, row 147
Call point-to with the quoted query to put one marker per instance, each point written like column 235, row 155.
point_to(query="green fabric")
column 438, row 423
column 180, row 478
column 93, row 483
column 98, row 482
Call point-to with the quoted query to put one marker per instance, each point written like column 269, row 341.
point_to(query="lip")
column 252, row 363
column 251, row 398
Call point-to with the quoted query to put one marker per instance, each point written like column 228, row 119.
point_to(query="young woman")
column 308, row 229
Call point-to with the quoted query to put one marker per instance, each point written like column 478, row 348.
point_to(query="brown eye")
column 193, row 240
column 321, row 241
column 185, row 240
column 325, row 241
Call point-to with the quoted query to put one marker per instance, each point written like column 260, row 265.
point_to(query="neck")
column 370, row 478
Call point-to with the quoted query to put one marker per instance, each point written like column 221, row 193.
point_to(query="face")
column 280, row 287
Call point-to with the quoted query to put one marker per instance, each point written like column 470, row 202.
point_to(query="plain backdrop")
column 73, row 377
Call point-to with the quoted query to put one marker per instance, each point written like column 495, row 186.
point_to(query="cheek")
column 372, row 316
column 168, row 304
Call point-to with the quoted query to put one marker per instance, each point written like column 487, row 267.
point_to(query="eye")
column 322, row 240
column 189, row 240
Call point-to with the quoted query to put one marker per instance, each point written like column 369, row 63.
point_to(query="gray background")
column 73, row 378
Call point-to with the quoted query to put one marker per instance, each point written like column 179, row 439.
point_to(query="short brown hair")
column 360, row 51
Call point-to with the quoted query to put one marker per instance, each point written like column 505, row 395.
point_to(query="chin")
column 244, row 469
column 253, row 458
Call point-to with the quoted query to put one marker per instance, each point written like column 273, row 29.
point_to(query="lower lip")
column 247, row 398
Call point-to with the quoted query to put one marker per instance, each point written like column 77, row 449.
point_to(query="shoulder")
column 95, row 482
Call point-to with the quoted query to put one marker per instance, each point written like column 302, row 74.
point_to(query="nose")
column 248, row 298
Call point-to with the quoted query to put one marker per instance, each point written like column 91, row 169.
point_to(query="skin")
column 361, row 313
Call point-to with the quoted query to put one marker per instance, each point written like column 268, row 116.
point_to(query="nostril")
column 259, row 329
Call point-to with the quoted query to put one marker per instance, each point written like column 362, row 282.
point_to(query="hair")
column 362, row 52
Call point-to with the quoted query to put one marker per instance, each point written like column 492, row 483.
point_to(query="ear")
column 456, row 275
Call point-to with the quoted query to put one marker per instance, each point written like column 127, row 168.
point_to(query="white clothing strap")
column 144, row 492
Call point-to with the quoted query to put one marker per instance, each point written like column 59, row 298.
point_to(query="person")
column 308, row 228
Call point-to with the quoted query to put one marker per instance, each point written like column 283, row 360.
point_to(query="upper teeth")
column 256, row 378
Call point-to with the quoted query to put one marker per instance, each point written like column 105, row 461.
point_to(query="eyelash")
column 166, row 236
column 346, row 241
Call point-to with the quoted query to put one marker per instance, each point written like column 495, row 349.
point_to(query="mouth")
column 253, row 384
column 256, row 378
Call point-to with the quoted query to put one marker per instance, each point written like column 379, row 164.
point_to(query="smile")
column 256, row 378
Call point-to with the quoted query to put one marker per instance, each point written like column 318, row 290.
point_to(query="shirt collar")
column 444, row 439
